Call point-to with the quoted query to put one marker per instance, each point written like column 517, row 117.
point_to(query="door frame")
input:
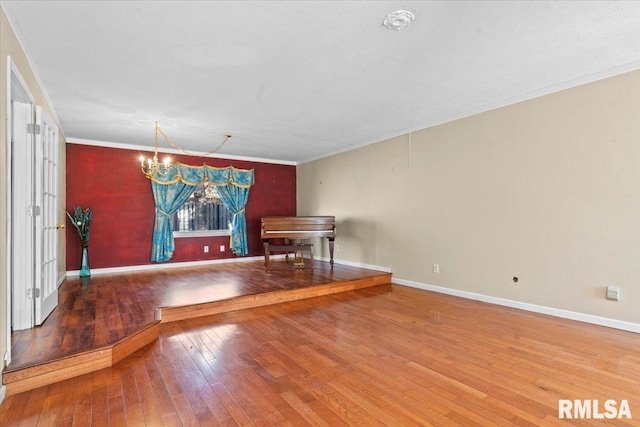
column 13, row 78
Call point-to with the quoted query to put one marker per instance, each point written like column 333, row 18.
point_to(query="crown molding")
column 147, row 149
column 569, row 84
column 35, row 73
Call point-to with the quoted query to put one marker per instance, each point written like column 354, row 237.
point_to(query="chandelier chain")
column 152, row 165
column 176, row 146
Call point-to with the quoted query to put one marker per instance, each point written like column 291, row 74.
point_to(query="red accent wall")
column 109, row 181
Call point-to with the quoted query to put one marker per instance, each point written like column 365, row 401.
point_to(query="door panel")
column 46, row 235
column 22, row 236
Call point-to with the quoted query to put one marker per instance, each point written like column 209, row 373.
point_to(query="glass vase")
column 84, row 262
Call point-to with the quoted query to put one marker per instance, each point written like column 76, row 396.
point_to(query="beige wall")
column 9, row 46
column 547, row 190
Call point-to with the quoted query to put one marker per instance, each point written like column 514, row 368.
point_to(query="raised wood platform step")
column 49, row 372
column 46, row 357
column 182, row 312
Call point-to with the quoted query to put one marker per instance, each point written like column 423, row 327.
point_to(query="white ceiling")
column 299, row 80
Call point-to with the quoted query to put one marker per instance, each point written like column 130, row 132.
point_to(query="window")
column 203, row 214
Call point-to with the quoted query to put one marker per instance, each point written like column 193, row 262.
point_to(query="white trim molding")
column 357, row 264
column 472, row 111
column 62, row 278
column 14, row 77
column 3, row 393
column 34, row 72
column 146, row 267
column 557, row 312
column 147, row 149
column 201, row 233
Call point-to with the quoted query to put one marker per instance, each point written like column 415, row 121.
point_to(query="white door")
column 46, row 218
column 22, row 226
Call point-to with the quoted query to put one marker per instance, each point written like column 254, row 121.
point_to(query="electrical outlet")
column 221, row 248
column 436, row 268
column 613, row 293
column 206, row 249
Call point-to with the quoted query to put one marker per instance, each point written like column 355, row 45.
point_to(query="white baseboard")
column 160, row 266
column 357, row 264
column 565, row 314
column 145, row 267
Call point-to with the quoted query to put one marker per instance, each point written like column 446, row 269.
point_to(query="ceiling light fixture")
column 152, row 166
column 398, row 20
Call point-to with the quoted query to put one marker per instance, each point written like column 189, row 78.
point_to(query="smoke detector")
column 398, row 20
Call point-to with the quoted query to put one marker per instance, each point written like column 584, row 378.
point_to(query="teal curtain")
column 172, row 188
column 169, row 198
column 235, row 199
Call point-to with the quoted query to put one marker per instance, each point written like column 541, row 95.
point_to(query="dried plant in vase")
column 81, row 220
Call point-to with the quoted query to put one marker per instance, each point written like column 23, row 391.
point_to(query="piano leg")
column 266, row 255
column 331, row 239
column 298, row 253
column 286, row 254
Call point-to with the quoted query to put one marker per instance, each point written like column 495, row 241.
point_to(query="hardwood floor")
column 103, row 309
column 385, row 355
column 103, row 319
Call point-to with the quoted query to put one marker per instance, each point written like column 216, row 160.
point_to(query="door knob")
column 59, row 226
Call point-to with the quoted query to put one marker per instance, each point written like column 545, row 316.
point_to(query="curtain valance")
column 171, row 189
column 194, row 175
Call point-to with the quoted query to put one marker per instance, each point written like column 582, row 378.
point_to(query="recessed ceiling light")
column 398, row 20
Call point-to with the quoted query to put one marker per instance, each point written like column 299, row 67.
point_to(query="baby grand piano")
column 294, row 230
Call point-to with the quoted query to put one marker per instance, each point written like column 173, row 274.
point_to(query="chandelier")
column 208, row 193
column 151, row 165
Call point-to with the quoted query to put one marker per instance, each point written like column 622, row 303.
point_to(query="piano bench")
column 297, row 249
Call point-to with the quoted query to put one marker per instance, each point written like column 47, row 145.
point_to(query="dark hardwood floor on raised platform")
column 384, row 355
